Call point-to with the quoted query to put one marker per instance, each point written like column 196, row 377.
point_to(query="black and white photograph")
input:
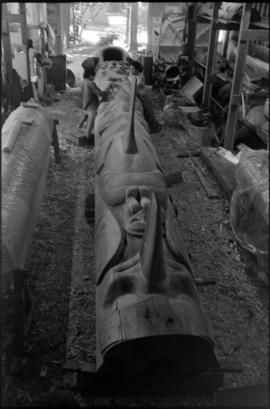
column 135, row 204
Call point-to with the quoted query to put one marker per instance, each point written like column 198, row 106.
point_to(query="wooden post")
column 25, row 38
column 192, row 21
column 237, row 79
column 207, row 89
column 58, row 31
column 149, row 28
column 133, row 26
column 127, row 23
column 7, row 54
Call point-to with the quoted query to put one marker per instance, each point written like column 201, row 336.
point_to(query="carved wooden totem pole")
column 148, row 311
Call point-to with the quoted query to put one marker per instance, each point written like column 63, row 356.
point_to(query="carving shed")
column 135, row 204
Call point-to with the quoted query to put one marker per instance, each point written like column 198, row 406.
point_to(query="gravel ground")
column 61, row 264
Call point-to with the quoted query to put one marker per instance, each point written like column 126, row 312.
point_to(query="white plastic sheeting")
column 249, row 210
column 24, row 174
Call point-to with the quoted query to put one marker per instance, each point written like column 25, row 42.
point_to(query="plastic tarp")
column 171, row 36
column 24, row 174
column 249, row 209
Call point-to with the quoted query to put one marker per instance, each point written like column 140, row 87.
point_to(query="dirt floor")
column 62, row 276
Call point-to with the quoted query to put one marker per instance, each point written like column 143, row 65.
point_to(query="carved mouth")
column 136, row 224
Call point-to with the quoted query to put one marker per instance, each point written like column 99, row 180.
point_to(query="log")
column 148, row 314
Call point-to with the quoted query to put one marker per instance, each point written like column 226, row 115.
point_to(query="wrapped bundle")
column 26, row 140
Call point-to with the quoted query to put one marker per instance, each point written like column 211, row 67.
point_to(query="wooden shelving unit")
column 247, row 32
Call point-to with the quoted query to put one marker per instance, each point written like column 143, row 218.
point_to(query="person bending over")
column 90, row 100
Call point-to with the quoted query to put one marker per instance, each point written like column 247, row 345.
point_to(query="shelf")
column 219, row 75
column 248, row 31
column 231, row 25
column 221, row 24
column 260, row 25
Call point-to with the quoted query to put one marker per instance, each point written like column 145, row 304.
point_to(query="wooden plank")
column 222, row 169
column 264, row 23
column 143, row 385
column 177, row 383
column 199, row 63
column 77, row 139
column 228, row 25
column 203, row 181
column 244, row 396
column 220, row 24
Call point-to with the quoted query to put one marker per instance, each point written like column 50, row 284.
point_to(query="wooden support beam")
column 231, row 123
column 221, row 168
column 207, row 89
column 7, row 56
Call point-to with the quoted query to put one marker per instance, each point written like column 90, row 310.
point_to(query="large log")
column 148, row 312
column 24, row 174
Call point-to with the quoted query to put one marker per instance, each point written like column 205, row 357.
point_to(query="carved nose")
column 151, row 253
column 145, row 199
column 132, row 199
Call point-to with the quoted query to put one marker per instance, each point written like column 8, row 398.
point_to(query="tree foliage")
column 82, row 14
column 117, row 7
